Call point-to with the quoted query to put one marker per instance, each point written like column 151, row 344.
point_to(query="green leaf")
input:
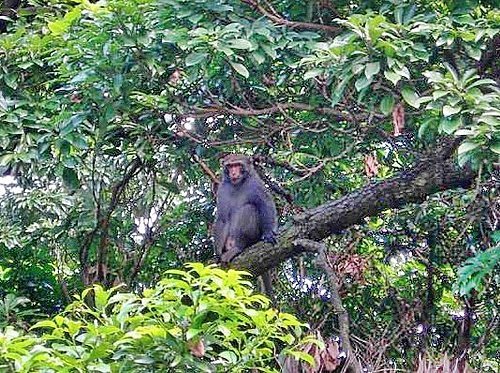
column 464, row 158
column 3, row 103
column 423, row 127
column 77, row 141
column 357, row 68
column 259, row 58
column 195, row 58
column 70, row 178
column 11, row 80
column 403, row 71
column 475, row 269
column 452, row 71
column 398, row 14
column 270, row 51
column 387, row 104
column 304, row 356
column 438, row 94
column 480, row 82
column 240, row 44
column 450, row 110
column 409, row 14
column 410, row 96
column 6, row 159
column 312, row 73
column 495, row 147
column 433, row 76
column 229, row 356
column 145, row 360
column 467, row 147
column 464, row 132
column 60, row 26
column 450, row 125
column 71, row 124
column 192, row 333
column 372, row 69
column 240, row 69
column 495, row 236
column 392, row 76
column 44, row 324
column 117, row 82
column 338, row 90
column 362, row 83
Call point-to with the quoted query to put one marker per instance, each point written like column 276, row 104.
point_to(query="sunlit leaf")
column 467, row 147
column 372, row 69
column 195, row 58
column 410, row 96
column 450, row 110
column 240, row 69
column 392, row 76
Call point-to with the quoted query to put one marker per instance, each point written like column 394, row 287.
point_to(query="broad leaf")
column 195, row 58
column 410, row 96
column 241, row 69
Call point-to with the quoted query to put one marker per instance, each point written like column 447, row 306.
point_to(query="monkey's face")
column 235, row 172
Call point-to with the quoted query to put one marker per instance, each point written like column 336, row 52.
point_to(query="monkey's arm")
column 219, row 231
column 267, row 215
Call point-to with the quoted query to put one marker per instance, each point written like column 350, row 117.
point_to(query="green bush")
column 204, row 319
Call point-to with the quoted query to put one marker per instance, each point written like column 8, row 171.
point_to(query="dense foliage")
column 204, row 319
column 113, row 115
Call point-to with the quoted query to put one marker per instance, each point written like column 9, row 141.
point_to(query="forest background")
column 375, row 124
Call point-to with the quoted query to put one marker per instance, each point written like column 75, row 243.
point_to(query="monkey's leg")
column 244, row 231
column 245, row 227
column 267, row 285
column 247, row 231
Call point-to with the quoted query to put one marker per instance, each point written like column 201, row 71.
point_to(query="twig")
column 273, row 16
column 343, row 317
column 103, row 223
column 202, row 112
column 206, row 169
column 353, row 365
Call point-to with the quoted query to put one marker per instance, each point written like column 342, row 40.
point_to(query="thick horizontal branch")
column 433, row 173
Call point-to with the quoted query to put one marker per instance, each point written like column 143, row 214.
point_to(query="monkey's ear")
column 249, row 162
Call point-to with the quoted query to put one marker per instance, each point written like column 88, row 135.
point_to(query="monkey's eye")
column 234, row 168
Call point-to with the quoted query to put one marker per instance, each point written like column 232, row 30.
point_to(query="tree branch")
column 202, row 112
column 103, row 223
column 435, row 172
column 352, row 363
column 277, row 19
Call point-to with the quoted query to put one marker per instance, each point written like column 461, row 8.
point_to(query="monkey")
column 246, row 213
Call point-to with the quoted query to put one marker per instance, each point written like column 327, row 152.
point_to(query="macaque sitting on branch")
column 246, row 213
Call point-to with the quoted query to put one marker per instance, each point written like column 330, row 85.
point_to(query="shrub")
column 203, row 319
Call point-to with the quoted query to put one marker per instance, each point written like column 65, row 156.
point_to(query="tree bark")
column 435, row 171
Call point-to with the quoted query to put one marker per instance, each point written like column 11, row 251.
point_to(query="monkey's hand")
column 270, row 237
